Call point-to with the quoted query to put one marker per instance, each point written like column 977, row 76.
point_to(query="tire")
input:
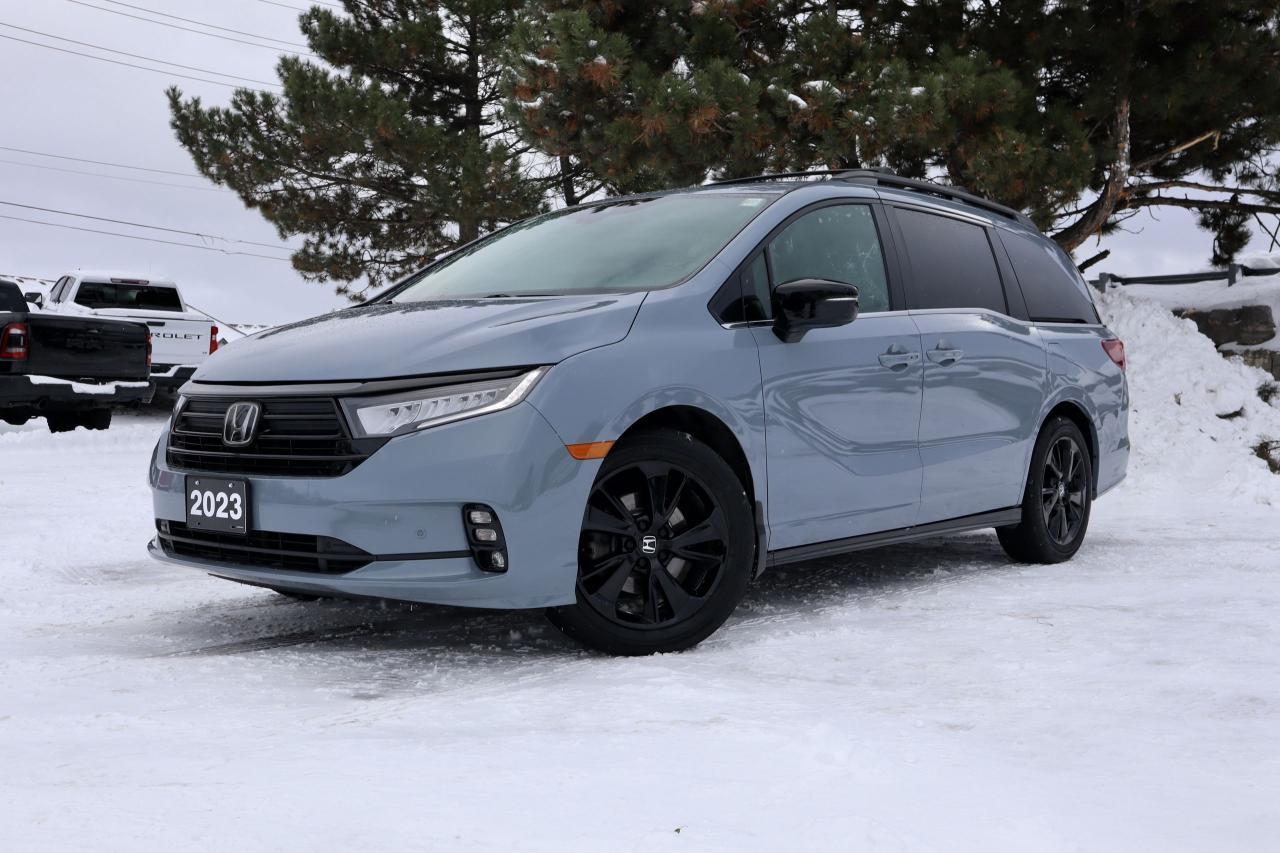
column 1058, row 498
column 632, row 600
column 61, row 422
column 96, row 419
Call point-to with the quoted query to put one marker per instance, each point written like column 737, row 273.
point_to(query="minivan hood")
column 383, row 341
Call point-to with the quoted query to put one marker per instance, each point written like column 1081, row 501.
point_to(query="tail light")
column 148, row 351
column 15, row 342
column 213, row 339
column 1115, row 350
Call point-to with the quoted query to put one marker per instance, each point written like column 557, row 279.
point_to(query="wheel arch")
column 707, row 428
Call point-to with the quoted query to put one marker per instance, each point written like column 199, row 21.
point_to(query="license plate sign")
column 214, row 503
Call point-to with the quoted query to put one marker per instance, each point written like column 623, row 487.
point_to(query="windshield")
column 638, row 244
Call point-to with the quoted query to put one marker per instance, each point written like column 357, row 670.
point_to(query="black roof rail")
column 780, row 176
column 886, row 178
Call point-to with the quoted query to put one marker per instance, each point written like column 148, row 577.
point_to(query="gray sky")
column 59, row 103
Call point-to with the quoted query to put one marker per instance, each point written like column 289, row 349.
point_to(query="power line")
column 113, row 177
column 143, row 225
column 190, row 30
column 200, row 23
column 98, row 162
column 139, row 56
column 126, row 64
column 144, row 239
column 304, row 8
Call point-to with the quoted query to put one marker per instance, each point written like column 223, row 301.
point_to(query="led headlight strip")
column 407, row 411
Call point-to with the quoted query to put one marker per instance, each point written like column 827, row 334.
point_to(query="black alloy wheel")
column 665, row 551
column 653, row 544
column 1057, row 499
column 1062, row 490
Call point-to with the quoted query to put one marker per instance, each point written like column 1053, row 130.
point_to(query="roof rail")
column 781, row 176
column 886, row 178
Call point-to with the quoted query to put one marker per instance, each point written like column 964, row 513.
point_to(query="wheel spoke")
column 619, row 510
column 599, row 521
column 685, row 543
column 609, row 590
column 608, row 564
column 675, row 594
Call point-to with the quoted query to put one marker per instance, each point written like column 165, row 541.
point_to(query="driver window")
column 839, row 243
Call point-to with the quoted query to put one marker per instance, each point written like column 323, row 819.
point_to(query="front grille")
column 296, row 552
column 297, row 437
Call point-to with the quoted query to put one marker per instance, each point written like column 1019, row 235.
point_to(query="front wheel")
column 1058, row 498
column 666, row 549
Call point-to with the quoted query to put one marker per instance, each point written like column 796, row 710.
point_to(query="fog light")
column 484, row 535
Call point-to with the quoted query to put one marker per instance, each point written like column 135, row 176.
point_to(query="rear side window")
column 952, row 263
column 102, row 294
column 1051, row 285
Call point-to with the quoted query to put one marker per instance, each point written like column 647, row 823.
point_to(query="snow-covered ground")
column 930, row 696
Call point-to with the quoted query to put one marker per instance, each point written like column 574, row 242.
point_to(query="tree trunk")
column 1113, row 191
column 566, row 181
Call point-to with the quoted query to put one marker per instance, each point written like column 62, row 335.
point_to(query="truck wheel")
column 666, row 551
column 97, row 419
column 61, row 422
column 15, row 420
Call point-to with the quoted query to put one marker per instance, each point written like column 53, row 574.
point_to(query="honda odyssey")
column 626, row 410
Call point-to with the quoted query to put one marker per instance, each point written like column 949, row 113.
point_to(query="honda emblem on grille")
column 240, row 426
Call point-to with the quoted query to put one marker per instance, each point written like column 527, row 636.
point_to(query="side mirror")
column 812, row 303
column 35, row 297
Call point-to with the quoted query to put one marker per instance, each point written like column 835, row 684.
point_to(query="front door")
column 842, row 405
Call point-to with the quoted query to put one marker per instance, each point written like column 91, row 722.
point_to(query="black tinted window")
column 951, row 262
column 1050, row 283
column 101, row 294
column 839, row 243
column 11, row 297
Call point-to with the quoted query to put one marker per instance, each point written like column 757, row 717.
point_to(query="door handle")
column 945, row 355
column 898, row 358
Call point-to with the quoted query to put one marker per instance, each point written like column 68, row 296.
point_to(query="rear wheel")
column 1055, row 508
column 61, row 421
column 666, row 549
column 97, row 419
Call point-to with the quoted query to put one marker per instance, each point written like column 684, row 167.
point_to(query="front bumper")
column 407, row 499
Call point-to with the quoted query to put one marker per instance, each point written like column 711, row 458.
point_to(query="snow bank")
column 1195, row 416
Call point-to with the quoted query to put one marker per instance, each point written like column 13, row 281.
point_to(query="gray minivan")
column 625, row 411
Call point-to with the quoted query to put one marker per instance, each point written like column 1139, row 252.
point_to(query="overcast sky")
column 59, row 103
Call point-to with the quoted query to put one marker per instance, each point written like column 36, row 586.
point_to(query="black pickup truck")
column 70, row 370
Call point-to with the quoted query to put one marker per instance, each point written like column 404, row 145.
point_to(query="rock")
column 1268, row 360
column 1245, row 326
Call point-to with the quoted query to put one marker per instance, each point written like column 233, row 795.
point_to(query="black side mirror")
column 812, row 303
column 35, row 297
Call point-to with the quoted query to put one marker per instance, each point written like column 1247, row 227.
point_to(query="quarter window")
column 951, row 263
column 1052, row 286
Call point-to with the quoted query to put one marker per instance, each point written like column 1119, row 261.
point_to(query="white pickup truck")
column 180, row 338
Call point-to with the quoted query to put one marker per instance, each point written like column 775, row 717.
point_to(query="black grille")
column 295, row 552
column 297, row 437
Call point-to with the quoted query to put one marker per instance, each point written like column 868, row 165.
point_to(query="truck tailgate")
column 86, row 348
column 176, row 338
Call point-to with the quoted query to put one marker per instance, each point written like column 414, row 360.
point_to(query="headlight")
column 412, row 410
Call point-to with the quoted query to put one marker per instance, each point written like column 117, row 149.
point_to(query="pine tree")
column 398, row 153
column 1081, row 112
